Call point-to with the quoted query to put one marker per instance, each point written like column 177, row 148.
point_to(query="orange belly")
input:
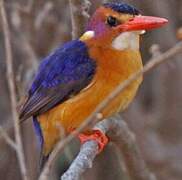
column 113, row 67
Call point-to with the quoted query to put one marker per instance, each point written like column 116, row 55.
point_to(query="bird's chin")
column 127, row 40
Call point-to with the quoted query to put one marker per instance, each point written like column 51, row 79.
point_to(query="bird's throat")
column 127, row 41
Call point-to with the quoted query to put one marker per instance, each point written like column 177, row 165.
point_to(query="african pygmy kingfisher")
column 79, row 75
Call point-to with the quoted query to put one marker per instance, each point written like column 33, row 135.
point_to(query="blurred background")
column 155, row 116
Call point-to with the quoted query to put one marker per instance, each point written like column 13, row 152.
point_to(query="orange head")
column 112, row 19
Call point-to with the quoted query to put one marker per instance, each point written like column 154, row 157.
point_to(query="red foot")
column 98, row 136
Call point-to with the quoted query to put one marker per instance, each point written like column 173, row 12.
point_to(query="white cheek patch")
column 127, row 40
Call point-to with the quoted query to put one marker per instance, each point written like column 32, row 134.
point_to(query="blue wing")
column 65, row 72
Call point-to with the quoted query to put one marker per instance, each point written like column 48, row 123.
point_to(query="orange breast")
column 113, row 67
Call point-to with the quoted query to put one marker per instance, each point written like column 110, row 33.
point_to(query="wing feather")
column 66, row 71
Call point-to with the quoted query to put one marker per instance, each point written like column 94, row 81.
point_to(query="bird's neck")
column 126, row 41
column 118, row 55
column 121, row 42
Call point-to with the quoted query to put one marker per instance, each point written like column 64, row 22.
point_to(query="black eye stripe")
column 112, row 21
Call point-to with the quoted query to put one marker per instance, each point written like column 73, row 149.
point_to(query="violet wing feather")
column 63, row 73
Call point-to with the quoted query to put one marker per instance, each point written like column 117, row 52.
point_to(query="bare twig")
column 43, row 13
column 82, row 162
column 11, row 85
column 124, row 139
column 8, row 140
column 93, row 118
column 79, row 15
column 118, row 132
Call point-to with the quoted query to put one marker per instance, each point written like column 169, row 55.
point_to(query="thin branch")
column 118, row 132
column 82, row 162
column 93, row 118
column 11, row 85
column 26, row 48
column 79, row 15
column 8, row 140
column 43, row 14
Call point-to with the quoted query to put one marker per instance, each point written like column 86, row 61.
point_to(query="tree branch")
column 124, row 139
column 82, row 162
column 119, row 133
column 43, row 14
column 8, row 140
column 79, row 15
column 11, row 85
column 95, row 116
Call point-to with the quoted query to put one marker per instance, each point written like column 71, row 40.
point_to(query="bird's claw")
column 97, row 136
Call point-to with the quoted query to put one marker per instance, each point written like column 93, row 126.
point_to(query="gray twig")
column 118, row 132
column 43, row 14
column 79, row 15
column 8, row 140
column 93, row 118
column 12, row 90
column 82, row 162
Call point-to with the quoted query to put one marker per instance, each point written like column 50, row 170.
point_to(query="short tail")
column 40, row 138
column 42, row 161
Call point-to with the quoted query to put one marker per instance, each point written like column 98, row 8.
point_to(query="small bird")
column 79, row 75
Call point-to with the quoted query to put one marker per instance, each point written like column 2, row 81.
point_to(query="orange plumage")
column 108, row 53
column 113, row 68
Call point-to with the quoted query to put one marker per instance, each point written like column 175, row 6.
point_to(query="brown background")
column 155, row 116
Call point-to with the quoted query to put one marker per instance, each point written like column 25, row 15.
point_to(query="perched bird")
column 79, row 75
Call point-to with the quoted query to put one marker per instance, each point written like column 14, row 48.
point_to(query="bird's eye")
column 112, row 21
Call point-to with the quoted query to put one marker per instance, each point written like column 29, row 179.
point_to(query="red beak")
column 143, row 23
